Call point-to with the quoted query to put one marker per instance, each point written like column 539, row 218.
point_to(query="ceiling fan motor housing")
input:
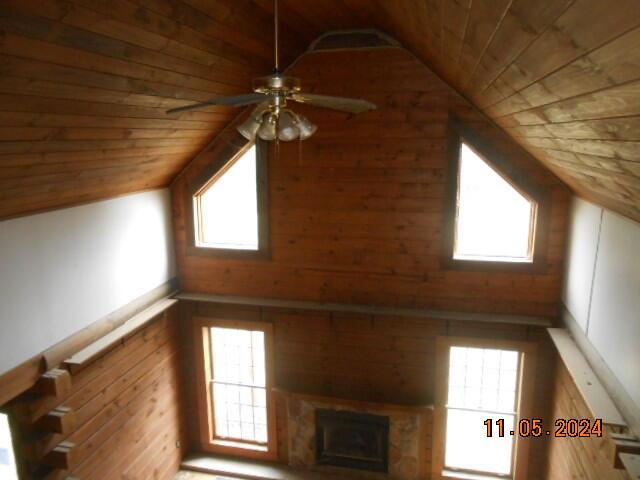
column 277, row 84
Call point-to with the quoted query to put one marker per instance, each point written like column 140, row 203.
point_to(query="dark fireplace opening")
column 353, row 440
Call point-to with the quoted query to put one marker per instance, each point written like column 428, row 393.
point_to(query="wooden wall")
column 356, row 212
column 370, row 358
column 561, row 76
column 127, row 404
column 580, row 458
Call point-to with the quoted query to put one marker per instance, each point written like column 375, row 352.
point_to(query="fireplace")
column 353, row 440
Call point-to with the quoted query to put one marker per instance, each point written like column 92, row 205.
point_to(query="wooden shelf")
column 368, row 309
column 631, row 464
column 595, row 396
column 85, row 356
column 245, row 468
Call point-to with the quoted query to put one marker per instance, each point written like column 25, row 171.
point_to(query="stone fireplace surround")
column 406, row 424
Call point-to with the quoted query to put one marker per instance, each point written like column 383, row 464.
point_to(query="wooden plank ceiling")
column 84, row 84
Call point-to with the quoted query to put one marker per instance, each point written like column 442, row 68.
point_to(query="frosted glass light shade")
column 306, row 127
column 249, row 128
column 287, row 129
column 267, row 130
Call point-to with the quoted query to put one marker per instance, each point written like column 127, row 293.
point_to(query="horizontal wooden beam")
column 59, row 420
column 368, row 309
column 54, row 383
column 61, row 457
column 119, row 334
column 24, row 376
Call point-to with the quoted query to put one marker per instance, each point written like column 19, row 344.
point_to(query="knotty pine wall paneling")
column 357, row 211
column 128, row 407
column 370, row 358
column 588, row 458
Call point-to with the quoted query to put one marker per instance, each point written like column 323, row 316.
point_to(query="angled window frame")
column 460, row 133
column 221, row 161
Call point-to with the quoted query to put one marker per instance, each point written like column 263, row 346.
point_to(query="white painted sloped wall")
column 602, row 290
column 60, row 271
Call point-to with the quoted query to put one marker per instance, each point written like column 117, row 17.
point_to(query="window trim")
column 458, row 133
column 524, row 400
column 219, row 164
column 208, row 440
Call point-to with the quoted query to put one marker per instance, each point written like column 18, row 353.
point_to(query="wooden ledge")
column 244, row 468
column 91, row 352
column 631, row 464
column 527, row 320
column 361, row 404
column 595, row 396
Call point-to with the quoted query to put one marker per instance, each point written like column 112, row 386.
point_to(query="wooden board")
column 595, row 396
column 100, row 346
column 366, row 309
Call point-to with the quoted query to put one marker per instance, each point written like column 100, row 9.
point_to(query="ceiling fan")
column 271, row 118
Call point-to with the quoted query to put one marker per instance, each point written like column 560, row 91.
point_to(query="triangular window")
column 497, row 213
column 494, row 221
column 228, row 206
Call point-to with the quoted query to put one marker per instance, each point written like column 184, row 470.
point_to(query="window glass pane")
column 469, row 448
column 483, row 379
column 482, row 384
column 229, row 207
column 7, row 459
column 494, row 221
column 239, row 394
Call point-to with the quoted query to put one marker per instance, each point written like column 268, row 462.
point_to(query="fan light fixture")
column 271, row 119
column 285, row 124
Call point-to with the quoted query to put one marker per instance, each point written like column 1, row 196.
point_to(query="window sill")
column 538, row 265
column 231, row 253
column 453, row 475
column 239, row 450
column 240, row 445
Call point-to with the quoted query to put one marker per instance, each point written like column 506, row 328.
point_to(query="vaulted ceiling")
column 84, row 84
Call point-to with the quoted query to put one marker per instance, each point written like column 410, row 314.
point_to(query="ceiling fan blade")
column 236, row 101
column 351, row 105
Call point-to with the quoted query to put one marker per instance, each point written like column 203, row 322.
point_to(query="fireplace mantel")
column 357, row 404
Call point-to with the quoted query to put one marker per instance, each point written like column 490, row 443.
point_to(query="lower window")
column 235, row 387
column 484, row 385
column 8, row 470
